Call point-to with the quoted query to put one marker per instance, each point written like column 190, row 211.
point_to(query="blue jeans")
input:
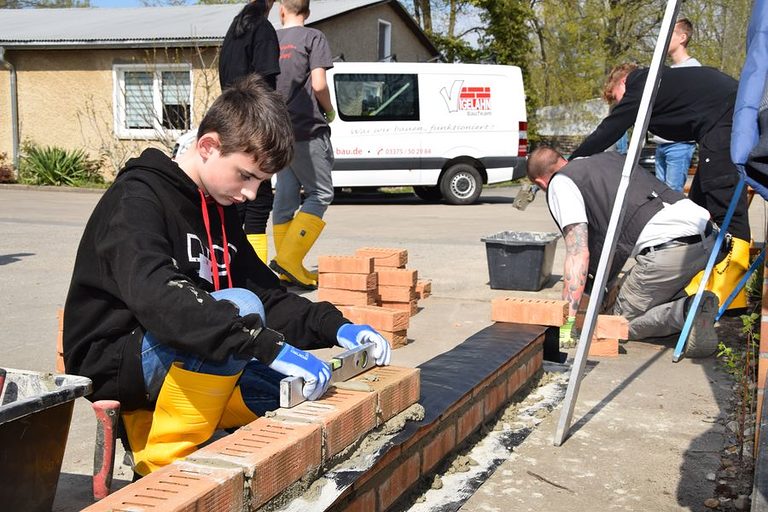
column 672, row 163
column 259, row 384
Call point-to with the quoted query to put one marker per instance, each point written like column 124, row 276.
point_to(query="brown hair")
column 251, row 118
column 685, row 26
column 541, row 162
column 300, row 7
column 614, row 77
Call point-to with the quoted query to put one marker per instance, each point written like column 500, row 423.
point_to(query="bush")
column 7, row 175
column 53, row 165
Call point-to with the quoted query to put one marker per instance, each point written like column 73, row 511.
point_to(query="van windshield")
column 377, row 97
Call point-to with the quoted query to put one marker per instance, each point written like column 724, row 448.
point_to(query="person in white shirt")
column 669, row 236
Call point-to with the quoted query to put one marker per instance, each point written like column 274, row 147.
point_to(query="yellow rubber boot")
column 236, row 413
column 726, row 275
column 278, row 234
column 299, row 239
column 137, row 425
column 260, row 245
column 187, row 412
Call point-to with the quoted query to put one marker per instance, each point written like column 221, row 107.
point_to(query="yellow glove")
column 330, row 116
column 566, row 332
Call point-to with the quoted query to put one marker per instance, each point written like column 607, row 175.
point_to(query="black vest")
column 598, row 177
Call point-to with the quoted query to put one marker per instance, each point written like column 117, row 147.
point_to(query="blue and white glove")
column 295, row 362
column 350, row 336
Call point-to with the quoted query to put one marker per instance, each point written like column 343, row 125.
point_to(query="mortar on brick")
column 358, row 457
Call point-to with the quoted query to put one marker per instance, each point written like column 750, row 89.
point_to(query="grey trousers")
column 652, row 296
column 311, row 169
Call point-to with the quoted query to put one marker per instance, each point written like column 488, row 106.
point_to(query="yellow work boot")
column 260, row 245
column 188, row 409
column 299, row 239
column 726, row 275
column 278, row 234
column 236, row 413
column 137, row 425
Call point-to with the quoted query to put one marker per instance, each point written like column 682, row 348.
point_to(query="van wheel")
column 428, row 193
column 461, row 184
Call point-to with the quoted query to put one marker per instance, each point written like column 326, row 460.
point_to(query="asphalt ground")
column 41, row 230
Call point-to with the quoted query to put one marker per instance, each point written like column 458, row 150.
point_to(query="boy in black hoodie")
column 171, row 312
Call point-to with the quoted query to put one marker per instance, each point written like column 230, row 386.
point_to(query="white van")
column 445, row 129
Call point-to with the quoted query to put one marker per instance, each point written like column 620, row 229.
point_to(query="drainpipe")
column 14, row 109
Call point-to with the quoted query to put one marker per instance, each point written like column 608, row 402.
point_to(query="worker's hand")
column 295, row 362
column 350, row 336
column 567, row 332
column 330, row 116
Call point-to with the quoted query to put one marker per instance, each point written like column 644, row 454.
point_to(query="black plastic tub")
column 520, row 260
column 35, row 415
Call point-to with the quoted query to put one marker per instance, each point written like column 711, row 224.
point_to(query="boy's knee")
column 246, row 301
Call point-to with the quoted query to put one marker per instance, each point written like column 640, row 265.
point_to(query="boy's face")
column 229, row 179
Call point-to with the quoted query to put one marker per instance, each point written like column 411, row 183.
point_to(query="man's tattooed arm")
column 576, row 265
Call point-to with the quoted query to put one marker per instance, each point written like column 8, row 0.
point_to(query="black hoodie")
column 139, row 269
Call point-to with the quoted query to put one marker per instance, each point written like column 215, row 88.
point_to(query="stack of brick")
column 396, row 284
column 605, row 338
column 390, row 323
column 346, row 280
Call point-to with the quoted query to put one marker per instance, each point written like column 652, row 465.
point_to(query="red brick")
column 380, row 318
column 396, row 294
column 364, row 503
column 604, row 347
column 397, row 277
column 345, row 264
column 273, row 454
column 469, row 421
column 382, row 464
column 346, row 297
column 411, row 307
column 361, row 282
column 529, row 311
column 423, row 288
column 385, row 257
column 396, row 388
column 396, row 339
column 495, row 397
column 516, row 380
column 401, row 479
column 611, row 326
column 437, row 448
column 344, row 415
column 180, row 487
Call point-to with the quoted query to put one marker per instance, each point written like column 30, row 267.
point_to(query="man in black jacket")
column 669, row 236
column 694, row 103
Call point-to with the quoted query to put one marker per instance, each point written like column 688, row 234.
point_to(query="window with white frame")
column 385, row 40
column 152, row 100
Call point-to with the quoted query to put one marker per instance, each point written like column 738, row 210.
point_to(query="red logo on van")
column 467, row 99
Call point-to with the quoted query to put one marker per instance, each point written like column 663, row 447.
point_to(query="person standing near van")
column 674, row 158
column 251, row 46
column 304, row 57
